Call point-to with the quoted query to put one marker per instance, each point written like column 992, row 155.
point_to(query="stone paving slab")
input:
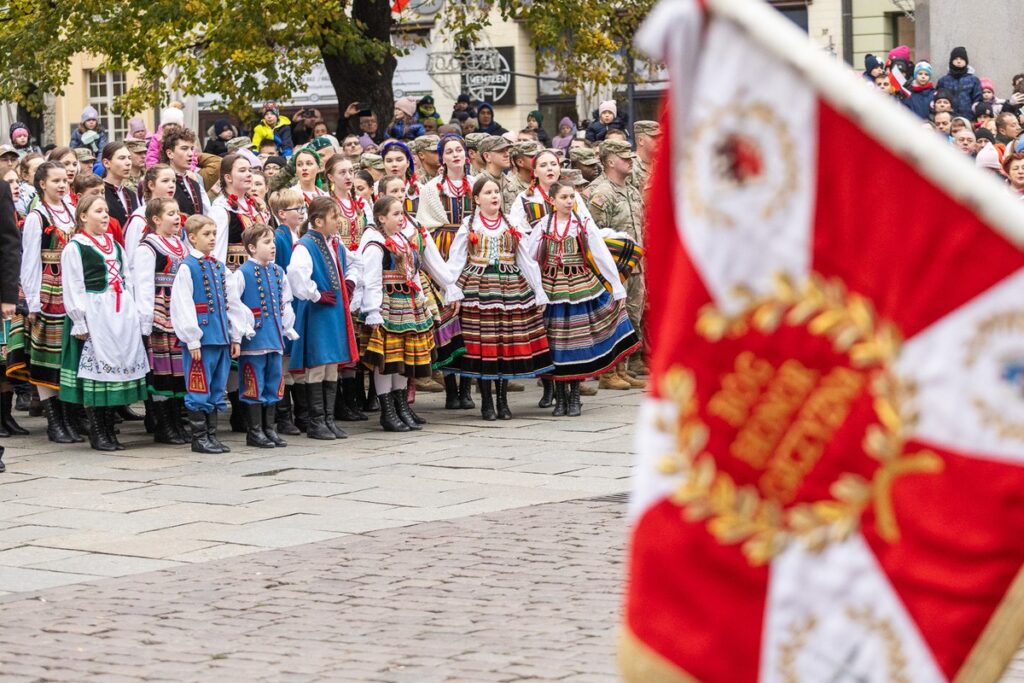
column 519, row 595
column 163, row 504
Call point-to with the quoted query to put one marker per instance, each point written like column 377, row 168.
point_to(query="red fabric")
column 115, row 231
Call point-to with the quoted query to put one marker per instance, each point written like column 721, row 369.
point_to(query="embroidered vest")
column 210, row 297
column 189, row 198
column 262, row 296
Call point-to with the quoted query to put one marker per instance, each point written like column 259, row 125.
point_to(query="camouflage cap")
column 526, row 148
column 583, row 155
column 84, row 154
column 235, row 144
column 618, row 148
column 424, row 143
column 473, row 140
column 572, row 176
column 374, row 161
column 493, row 143
column 135, row 146
column 647, row 128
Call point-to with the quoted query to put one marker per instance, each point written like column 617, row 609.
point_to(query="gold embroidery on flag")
column 785, row 417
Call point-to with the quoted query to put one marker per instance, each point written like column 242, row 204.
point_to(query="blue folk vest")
column 262, row 296
column 211, row 299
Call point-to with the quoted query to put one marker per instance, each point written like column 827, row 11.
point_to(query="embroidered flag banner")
column 831, row 475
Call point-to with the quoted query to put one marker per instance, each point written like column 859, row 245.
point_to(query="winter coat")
column 597, row 130
column 281, row 134
column 492, row 128
column 560, row 142
column 920, row 100
column 406, row 130
column 966, row 90
column 215, row 145
column 96, row 146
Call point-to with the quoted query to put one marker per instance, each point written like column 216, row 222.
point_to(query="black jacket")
column 10, row 247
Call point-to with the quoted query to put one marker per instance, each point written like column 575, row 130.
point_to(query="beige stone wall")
column 825, row 25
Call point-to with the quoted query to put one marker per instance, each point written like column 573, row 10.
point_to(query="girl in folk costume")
column 444, row 204
column 588, row 330
column 121, row 201
column 399, row 335
column 234, row 210
column 104, row 363
column 304, row 169
column 66, row 157
column 157, row 183
column 362, row 185
column 356, row 214
column 157, row 260
column 501, row 301
column 320, row 277
column 398, row 161
column 47, row 230
column 530, row 207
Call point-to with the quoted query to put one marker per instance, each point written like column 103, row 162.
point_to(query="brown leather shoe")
column 429, row 385
column 516, row 386
column 633, row 382
column 588, row 389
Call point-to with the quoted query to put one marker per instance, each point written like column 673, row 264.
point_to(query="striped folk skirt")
column 589, row 332
column 166, row 376
column 448, row 343
column 47, row 334
column 16, row 349
column 501, row 325
column 404, row 344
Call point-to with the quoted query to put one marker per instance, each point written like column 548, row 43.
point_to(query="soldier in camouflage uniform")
column 476, row 163
column 519, row 179
column 647, row 134
column 584, row 160
column 494, row 150
column 617, row 205
column 424, row 150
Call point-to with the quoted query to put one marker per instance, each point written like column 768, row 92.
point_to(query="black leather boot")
column 487, row 401
column 401, row 402
column 283, row 410
column 75, row 422
column 237, row 420
column 502, row 390
column 330, row 404
column 22, row 397
column 3, row 467
column 164, row 423
column 98, row 438
column 451, row 392
column 110, row 420
column 55, row 429
column 317, row 428
column 127, row 414
column 301, row 398
column 180, row 418
column 254, row 435
column 269, row 423
column 370, row 403
column 560, row 399
column 352, row 394
column 389, row 419
column 548, row 398
column 573, row 406
column 466, row 393
column 149, row 423
column 200, row 435
column 7, row 422
column 211, row 431
column 342, row 407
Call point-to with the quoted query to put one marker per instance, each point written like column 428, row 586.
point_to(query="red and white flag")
column 831, row 475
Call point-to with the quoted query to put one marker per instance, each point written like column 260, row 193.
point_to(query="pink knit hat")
column 900, row 52
column 608, row 105
column 407, row 105
column 986, row 84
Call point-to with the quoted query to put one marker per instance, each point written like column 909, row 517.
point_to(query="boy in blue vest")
column 264, row 320
column 200, row 297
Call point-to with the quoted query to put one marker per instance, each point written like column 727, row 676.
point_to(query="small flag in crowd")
column 831, row 475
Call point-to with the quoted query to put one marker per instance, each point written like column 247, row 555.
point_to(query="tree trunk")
column 366, row 80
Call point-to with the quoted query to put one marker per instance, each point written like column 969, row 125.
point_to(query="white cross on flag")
column 831, row 478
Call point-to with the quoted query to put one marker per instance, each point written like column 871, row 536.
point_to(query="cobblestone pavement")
column 69, row 514
column 522, row 595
